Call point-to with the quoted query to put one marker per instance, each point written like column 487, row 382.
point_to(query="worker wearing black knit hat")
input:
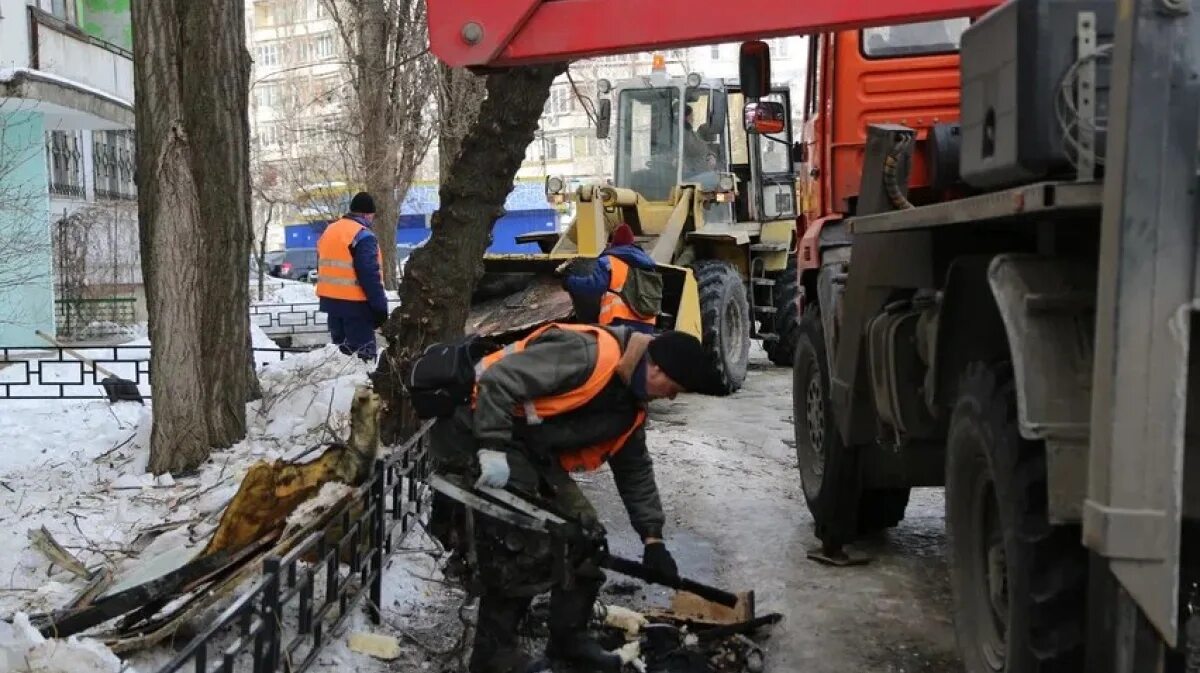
column 567, row 398
column 350, row 279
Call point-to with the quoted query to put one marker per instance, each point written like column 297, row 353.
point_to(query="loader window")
column 914, row 39
column 648, row 141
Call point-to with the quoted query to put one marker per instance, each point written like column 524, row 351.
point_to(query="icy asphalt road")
column 736, row 518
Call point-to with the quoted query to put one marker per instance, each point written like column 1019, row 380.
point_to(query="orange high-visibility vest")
column 608, row 355
column 335, row 262
column 612, row 305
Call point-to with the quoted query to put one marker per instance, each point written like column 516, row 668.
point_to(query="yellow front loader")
column 714, row 206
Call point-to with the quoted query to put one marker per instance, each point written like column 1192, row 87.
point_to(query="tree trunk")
column 378, row 147
column 439, row 277
column 191, row 73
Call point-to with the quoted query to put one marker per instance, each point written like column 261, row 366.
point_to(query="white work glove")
column 493, row 469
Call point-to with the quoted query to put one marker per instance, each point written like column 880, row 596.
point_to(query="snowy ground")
column 77, row 468
column 736, row 518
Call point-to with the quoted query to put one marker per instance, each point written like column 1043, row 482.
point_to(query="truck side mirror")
column 765, row 118
column 754, row 69
column 603, row 117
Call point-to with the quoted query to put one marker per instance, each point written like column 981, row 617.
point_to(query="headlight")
column 603, row 86
column 693, row 80
column 726, row 182
column 554, row 185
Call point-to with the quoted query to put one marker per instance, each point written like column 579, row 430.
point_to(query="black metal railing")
column 289, row 319
column 55, row 373
column 283, row 620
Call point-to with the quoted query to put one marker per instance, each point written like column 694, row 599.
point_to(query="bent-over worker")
column 567, row 398
column 350, row 280
column 606, row 282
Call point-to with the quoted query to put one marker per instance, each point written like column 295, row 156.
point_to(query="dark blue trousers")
column 353, row 335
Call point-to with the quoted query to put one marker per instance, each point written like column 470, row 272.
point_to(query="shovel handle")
column 74, row 353
column 640, row 571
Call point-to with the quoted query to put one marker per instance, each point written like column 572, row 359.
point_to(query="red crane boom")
column 517, row 32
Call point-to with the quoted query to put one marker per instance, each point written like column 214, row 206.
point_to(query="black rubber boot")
column 496, row 648
column 570, row 612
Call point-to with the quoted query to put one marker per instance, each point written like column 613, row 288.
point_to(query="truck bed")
column 1039, row 198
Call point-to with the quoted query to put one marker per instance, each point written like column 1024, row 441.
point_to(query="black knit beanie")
column 362, row 203
column 681, row 356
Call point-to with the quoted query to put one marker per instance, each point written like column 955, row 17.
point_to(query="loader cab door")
column 705, row 147
column 649, row 126
column 763, row 164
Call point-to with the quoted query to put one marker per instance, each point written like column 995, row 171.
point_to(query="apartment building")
column 68, row 225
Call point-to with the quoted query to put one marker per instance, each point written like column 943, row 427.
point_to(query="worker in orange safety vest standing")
column 350, row 279
column 567, row 398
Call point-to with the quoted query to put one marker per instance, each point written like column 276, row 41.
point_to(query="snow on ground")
column 283, row 291
column 77, row 468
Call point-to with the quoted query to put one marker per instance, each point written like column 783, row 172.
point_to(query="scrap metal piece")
column 453, row 491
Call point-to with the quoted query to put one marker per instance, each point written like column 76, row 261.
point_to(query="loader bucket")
column 520, row 293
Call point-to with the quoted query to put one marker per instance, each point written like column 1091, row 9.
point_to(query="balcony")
column 77, row 81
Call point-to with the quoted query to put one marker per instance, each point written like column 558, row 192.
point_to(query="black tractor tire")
column 724, row 322
column 786, row 319
column 1019, row 582
column 830, row 471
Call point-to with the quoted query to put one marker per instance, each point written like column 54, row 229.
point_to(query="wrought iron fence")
column 289, row 319
column 283, row 620
column 56, row 373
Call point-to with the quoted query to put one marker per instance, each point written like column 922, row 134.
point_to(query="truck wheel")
column 786, row 318
column 829, row 471
column 725, row 322
column 1019, row 582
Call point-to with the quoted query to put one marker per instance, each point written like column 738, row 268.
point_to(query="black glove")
column 380, row 318
column 656, row 557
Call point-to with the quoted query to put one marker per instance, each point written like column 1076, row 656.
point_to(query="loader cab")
column 679, row 132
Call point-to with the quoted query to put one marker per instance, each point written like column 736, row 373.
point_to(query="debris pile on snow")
column 24, row 650
column 78, row 469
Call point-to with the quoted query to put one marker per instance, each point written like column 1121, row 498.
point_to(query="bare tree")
column 194, row 215
column 393, row 76
column 439, row 277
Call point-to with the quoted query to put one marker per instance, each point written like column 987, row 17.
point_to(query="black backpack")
column 443, row 377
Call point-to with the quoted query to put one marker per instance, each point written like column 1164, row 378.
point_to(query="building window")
column 324, row 46
column 561, row 101
column 64, row 153
column 780, row 47
column 65, row 10
column 316, row 9
column 268, row 135
column 114, row 161
column 715, row 52
column 268, row 55
column 267, row 95
column 558, row 148
column 264, row 14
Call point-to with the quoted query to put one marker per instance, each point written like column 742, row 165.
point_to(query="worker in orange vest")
column 606, row 280
column 567, row 398
column 350, row 280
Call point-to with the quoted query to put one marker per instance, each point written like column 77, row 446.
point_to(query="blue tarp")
column 412, row 230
